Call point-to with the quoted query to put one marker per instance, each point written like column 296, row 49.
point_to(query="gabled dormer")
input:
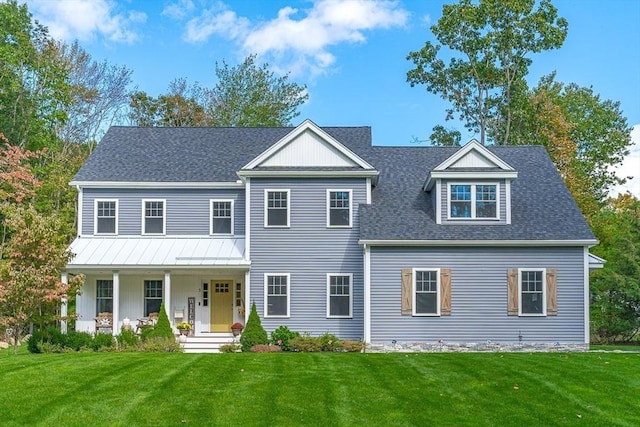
column 473, row 186
column 308, row 151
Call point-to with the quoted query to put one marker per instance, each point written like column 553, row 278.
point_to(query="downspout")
column 367, row 294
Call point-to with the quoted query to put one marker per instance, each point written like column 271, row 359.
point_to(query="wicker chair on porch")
column 150, row 320
column 104, row 322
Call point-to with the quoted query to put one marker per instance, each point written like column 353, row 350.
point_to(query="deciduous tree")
column 489, row 43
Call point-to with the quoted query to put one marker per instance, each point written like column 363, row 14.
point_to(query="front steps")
column 207, row 342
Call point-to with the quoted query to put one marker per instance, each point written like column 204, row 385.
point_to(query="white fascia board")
column 303, row 127
column 70, row 268
column 140, row 184
column 476, row 242
column 466, row 175
column 308, row 173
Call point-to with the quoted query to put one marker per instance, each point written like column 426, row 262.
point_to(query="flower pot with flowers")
column 184, row 328
column 237, row 328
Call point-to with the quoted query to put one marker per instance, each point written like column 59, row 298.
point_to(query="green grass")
column 323, row 389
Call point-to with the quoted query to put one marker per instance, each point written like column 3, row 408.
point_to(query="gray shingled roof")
column 541, row 206
column 184, row 154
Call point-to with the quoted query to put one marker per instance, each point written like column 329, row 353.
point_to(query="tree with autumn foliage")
column 615, row 289
column 32, row 251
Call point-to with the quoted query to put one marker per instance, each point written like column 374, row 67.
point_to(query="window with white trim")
column 152, row 296
column 339, row 295
column 338, row 208
column 276, row 207
column 276, row 295
column 532, row 289
column 106, row 221
column 153, row 217
column 222, row 217
column 426, row 292
column 104, row 296
column 473, row 201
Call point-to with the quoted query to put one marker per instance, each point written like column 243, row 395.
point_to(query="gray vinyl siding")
column 187, row 210
column 502, row 208
column 308, row 250
column 478, row 295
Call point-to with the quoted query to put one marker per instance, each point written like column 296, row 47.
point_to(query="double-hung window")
column 153, row 217
column 338, row 208
column 104, row 296
column 473, row 201
column 106, row 221
column 276, row 295
column 276, row 206
column 531, row 287
column 152, row 296
column 426, row 292
column 339, row 295
column 222, row 217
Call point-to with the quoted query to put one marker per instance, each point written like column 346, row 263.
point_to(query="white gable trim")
column 307, row 126
column 474, row 145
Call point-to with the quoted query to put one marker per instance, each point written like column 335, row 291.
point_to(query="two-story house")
column 398, row 246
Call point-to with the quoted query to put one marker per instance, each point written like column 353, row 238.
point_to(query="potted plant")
column 184, row 328
column 237, row 328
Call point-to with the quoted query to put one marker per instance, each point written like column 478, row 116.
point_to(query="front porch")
column 208, row 300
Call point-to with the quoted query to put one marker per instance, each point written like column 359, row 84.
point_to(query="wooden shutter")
column 512, row 292
column 445, row 292
column 407, row 287
column 552, row 292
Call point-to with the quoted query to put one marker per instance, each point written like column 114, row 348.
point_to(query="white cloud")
column 299, row 39
column 179, row 9
column 86, row 19
column 630, row 167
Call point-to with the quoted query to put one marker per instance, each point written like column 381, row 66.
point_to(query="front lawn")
column 324, row 389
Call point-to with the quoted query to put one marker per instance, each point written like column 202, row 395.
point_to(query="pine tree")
column 253, row 333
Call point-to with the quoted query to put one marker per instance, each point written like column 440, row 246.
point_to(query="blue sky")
column 351, row 54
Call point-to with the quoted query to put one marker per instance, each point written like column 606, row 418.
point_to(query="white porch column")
column 367, row 295
column 166, row 293
column 64, row 278
column 116, row 302
column 247, row 295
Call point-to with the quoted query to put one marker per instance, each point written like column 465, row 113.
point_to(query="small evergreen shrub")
column 266, row 348
column 253, row 333
column 127, row 339
column 49, row 335
column 282, row 335
column 162, row 328
column 102, row 341
column 329, row 342
column 146, row 332
column 78, row 340
column 229, row 348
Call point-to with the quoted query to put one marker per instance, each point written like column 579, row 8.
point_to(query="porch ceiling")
column 157, row 252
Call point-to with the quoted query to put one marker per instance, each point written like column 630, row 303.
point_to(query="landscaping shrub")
column 127, row 339
column 160, row 345
column 266, row 348
column 351, row 346
column 253, row 333
column 305, row 343
column 328, row 342
column 162, row 328
column 78, row 340
column 146, row 332
column 102, row 341
column 49, row 335
column 282, row 335
column 229, row 348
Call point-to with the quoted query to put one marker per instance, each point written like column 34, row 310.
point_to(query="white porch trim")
column 166, row 296
column 64, row 278
column 116, row 302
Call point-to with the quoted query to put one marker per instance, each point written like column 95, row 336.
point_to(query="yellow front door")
column 221, row 305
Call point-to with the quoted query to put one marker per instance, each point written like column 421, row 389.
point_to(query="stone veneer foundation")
column 488, row 346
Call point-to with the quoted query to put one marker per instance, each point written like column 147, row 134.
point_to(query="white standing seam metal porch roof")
column 156, row 252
